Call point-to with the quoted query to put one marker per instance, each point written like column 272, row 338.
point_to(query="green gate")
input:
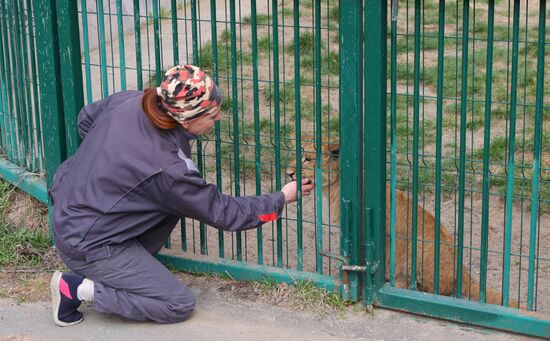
column 443, row 101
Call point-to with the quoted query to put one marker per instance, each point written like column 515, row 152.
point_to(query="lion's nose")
column 291, row 175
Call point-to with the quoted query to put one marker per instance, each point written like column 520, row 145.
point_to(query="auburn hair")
column 152, row 108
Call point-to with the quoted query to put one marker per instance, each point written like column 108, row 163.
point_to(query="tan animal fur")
column 426, row 234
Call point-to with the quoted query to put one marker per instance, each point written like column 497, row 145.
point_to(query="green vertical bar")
column 462, row 167
column 257, row 142
column 183, row 228
column 298, row 122
column 175, row 39
column 86, row 45
column 102, row 48
column 137, row 32
column 200, row 162
column 35, row 88
column 393, row 167
column 71, row 69
column 350, row 107
column 439, row 133
column 536, row 154
column 277, row 108
column 9, row 99
column 50, row 91
column 511, row 160
column 221, row 246
column 5, row 82
column 15, row 98
column 318, row 132
column 486, row 156
column 374, row 150
column 122, row 54
column 16, row 63
column 416, row 120
column 156, row 35
column 24, row 92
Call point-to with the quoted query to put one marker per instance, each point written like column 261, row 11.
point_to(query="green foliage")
column 206, row 58
column 22, row 246
column 261, row 19
column 19, row 246
column 306, row 44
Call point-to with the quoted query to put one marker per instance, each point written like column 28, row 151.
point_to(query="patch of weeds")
column 334, row 14
column 287, row 94
column 329, row 64
column 22, row 247
column 332, row 124
column 308, row 293
column 497, row 150
column 261, row 19
column 288, row 12
column 264, row 44
column 308, row 113
column 405, row 132
column 5, row 189
column 206, row 58
column 306, row 4
column 406, row 43
column 306, row 44
column 225, row 37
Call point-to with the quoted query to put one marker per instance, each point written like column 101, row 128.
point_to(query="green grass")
column 225, row 37
column 497, row 150
column 329, row 64
column 20, row 247
column 261, row 19
column 287, row 93
column 303, row 295
column 306, row 44
column 264, row 44
column 334, row 14
column 206, row 58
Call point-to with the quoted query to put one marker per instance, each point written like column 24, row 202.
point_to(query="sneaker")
column 64, row 299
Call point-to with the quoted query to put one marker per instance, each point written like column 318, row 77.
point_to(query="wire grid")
column 21, row 138
column 275, row 91
column 476, row 153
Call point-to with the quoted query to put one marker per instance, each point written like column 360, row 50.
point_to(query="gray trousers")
column 130, row 282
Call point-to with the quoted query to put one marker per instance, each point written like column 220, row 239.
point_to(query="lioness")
column 425, row 244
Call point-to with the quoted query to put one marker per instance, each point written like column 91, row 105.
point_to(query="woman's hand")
column 291, row 188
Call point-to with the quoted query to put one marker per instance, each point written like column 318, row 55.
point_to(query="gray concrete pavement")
column 222, row 316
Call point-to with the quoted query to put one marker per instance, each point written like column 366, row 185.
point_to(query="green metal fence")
column 443, row 101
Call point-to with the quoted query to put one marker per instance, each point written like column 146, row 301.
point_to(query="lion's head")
column 329, row 158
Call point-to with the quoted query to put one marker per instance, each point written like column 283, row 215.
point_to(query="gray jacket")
column 128, row 176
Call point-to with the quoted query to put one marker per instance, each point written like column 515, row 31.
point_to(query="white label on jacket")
column 190, row 164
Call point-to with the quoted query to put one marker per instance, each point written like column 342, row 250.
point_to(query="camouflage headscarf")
column 187, row 92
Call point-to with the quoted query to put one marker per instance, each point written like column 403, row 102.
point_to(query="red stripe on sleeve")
column 268, row 217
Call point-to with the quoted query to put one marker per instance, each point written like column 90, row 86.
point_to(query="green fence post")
column 50, row 90
column 351, row 69
column 47, row 45
column 71, row 69
column 374, row 132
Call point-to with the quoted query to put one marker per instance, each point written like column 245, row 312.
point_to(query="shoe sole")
column 56, row 301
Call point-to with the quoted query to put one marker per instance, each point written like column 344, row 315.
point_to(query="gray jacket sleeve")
column 190, row 196
column 89, row 114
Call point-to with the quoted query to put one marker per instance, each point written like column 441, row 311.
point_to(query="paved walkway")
column 221, row 316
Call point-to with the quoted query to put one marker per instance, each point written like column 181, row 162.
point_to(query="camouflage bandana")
column 187, row 93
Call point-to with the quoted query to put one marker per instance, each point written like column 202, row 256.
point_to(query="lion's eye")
column 307, row 159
